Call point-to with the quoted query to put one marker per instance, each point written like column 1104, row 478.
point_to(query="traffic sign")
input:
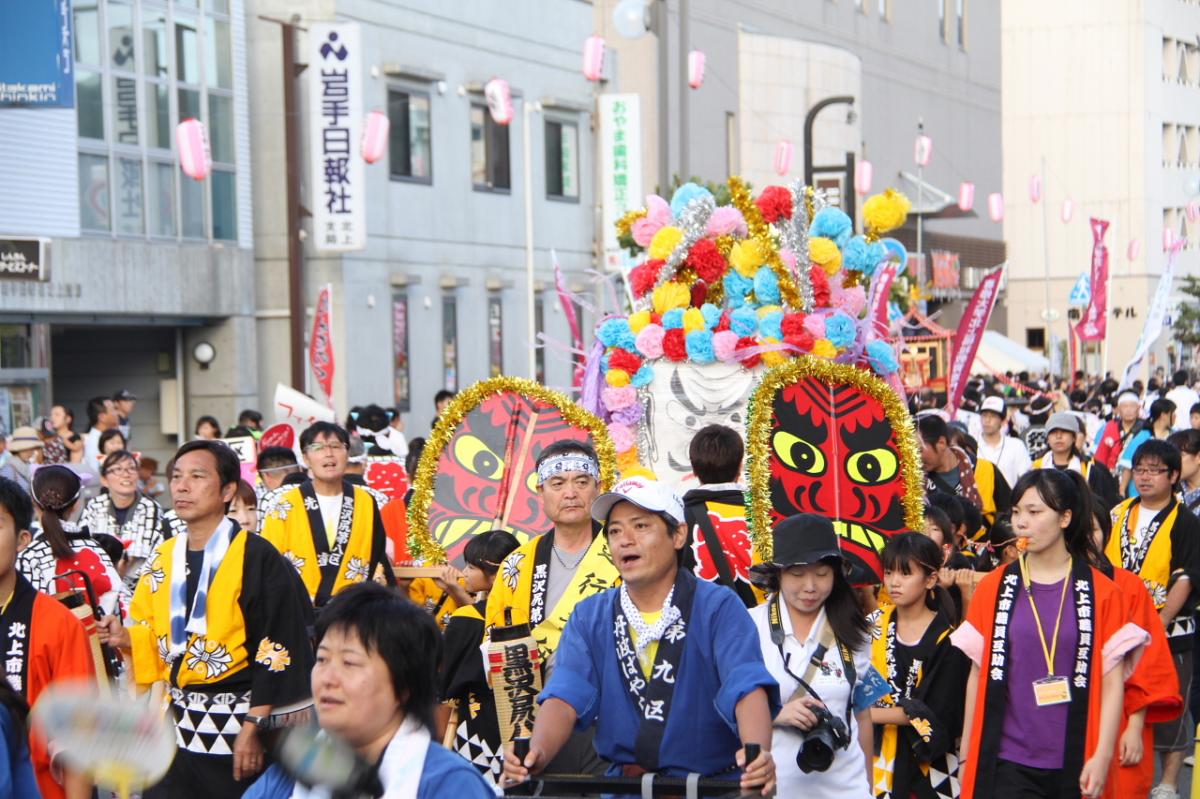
column 1081, row 293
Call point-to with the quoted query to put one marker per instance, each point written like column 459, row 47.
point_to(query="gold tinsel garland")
column 625, row 223
column 421, row 543
column 758, row 228
column 758, row 440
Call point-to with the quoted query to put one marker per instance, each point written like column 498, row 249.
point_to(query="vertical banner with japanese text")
column 1094, row 326
column 881, row 289
column 620, row 166
column 335, row 117
column 1156, row 319
column 320, row 345
column 970, row 333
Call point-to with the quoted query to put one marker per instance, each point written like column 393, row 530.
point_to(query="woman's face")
column 805, row 588
column 113, row 445
column 1037, row 522
column 352, row 690
column 908, row 589
column 245, row 514
column 207, row 430
column 121, row 478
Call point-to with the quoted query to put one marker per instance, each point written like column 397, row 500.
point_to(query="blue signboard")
column 37, row 67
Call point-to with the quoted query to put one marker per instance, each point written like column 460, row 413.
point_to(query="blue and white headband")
column 569, row 462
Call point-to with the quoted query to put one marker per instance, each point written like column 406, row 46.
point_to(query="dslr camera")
column 820, row 743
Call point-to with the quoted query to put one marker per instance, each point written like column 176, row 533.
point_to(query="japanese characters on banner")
column 299, row 409
column 970, row 333
column 1155, row 320
column 37, row 62
column 945, row 269
column 1094, row 326
column 620, row 163
column 320, row 344
column 335, row 117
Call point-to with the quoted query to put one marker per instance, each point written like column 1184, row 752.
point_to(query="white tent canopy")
column 999, row 353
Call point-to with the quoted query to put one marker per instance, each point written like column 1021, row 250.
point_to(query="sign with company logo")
column 23, row 259
column 37, row 67
column 335, row 119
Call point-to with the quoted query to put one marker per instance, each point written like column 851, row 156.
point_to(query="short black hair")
column 716, row 454
column 941, row 520
column 932, row 427
column 1102, row 515
column 949, row 505
column 373, row 418
column 1160, row 450
column 294, row 479
column 487, row 551
column 15, row 500
column 1180, row 378
column 444, row 394
column 274, row 457
column 250, row 415
column 239, row 431
column 904, row 550
column 565, row 447
column 109, row 435
column 95, row 407
column 1161, row 407
column 324, row 429
column 210, row 420
column 229, row 468
column 115, row 457
column 972, row 516
column 403, row 634
column 1195, row 409
column 1187, row 440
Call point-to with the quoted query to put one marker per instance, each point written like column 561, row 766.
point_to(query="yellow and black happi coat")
column 295, row 526
column 255, row 649
column 928, row 682
column 524, row 579
column 465, row 685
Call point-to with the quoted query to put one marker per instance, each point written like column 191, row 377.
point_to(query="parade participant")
column 919, row 721
column 252, row 420
column 1151, row 689
column 1114, row 435
column 1158, row 539
column 243, row 509
column 101, row 416
column 59, row 546
column 665, row 666
column 1184, row 396
column 1007, row 452
column 437, row 598
column 948, row 470
column 26, row 448
column 273, row 466
column 124, row 401
column 1158, row 427
column 329, row 530
column 374, row 686
column 123, row 512
column 1045, row 692
column 1188, row 443
column 1061, row 433
column 1194, row 415
column 235, row 666
column 42, row 641
column 719, row 548
column 464, row 685
column 816, row 644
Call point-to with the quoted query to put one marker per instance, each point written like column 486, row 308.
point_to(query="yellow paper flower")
column 746, row 257
column 638, row 320
column 773, row 357
column 627, row 460
column 766, row 309
column 886, row 211
column 825, row 252
column 617, row 378
column 638, row 470
column 822, row 348
column 670, row 295
column 664, row 242
column 693, row 320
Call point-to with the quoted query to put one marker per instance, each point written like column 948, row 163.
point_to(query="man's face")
column 567, row 498
column 990, row 422
column 109, row 416
column 1060, row 441
column 196, row 487
column 1153, row 480
column 441, row 404
column 58, row 417
column 932, row 454
column 326, row 457
column 643, row 548
column 124, row 406
column 1128, row 411
column 12, row 541
column 1195, row 420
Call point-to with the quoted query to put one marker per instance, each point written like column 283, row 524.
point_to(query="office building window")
column 489, row 152
column 409, row 138
column 960, row 22
column 539, row 326
column 1035, row 338
column 449, row 341
column 562, row 160
column 495, row 322
column 860, row 6
column 401, row 392
column 885, row 9
column 140, row 69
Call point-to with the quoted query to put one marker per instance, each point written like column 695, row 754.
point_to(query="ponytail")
column 55, row 490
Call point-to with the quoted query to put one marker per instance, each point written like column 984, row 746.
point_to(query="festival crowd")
column 1034, row 638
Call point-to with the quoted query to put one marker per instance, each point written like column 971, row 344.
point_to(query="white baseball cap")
column 993, row 404
column 647, row 494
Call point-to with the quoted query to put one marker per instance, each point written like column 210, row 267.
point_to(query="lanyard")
column 1048, row 651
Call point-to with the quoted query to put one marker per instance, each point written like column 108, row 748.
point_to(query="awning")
column 999, row 353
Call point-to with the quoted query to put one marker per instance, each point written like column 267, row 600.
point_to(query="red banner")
column 1094, row 326
column 970, row 333
column 320, row 345
column 881, row 289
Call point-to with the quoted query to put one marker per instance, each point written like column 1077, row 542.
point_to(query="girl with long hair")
column 1046, row 636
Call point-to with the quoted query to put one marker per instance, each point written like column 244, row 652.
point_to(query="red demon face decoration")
column 485, row 476
column 832, row 450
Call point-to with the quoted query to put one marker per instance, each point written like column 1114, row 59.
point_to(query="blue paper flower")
column 744, row 321
column 840, row 330
column 832, row 223
column 766, row 286
column 736, row 288
column 684, row 195
column 882, row 357
column 604, row 362
column 855, row 254
column 616, row 333
column 771, row 325
column 712, row 315
column 642, row 377
column 700, row 346
column 672, row 319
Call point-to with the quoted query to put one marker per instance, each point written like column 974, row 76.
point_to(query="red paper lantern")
column 195, row 157
column 593, row 57
column 696, row 61
column 375, row 136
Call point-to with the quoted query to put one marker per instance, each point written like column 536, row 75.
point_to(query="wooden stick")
column 412, row 572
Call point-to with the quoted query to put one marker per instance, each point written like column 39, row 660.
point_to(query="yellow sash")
column 1155, row 569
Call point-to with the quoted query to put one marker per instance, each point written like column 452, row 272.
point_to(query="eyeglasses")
column 320, row 447
column 121, row 470
column 1149, row 471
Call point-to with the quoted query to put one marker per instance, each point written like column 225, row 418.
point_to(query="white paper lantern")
column 966, row 196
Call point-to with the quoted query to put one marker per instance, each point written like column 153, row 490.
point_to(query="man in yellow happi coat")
column 328, row 529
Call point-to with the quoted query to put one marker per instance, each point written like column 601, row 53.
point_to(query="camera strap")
column 824, row 641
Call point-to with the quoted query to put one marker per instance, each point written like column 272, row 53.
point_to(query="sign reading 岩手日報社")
column 337, row 189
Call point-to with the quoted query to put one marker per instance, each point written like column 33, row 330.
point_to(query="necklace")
column 570, row 566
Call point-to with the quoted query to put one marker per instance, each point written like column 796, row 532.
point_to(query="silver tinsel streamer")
column 794, row 237
column 693, row 221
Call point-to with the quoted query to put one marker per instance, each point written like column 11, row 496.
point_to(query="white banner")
column 299, row 409
column 337, row 196
column 620, row 164
column 1155, row 319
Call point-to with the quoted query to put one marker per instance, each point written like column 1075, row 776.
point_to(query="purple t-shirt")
column 1032, row 735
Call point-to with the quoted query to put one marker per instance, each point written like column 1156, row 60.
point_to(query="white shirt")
column 1184, row 398
column 1010, row 456
column 847, row 775
column 91, row 450
column 331, row 513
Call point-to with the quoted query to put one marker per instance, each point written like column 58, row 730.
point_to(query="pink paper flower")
column 852, row 300
column 617, row 398
column 815, row 325
column 725, row 345
column 726, row 220
column 789, row 259
column 649, row 341
column 658, row 214
column 621, row 435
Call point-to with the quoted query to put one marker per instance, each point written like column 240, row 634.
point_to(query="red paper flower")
column 820, row 285
column 675, row 345
column 643, row 277
column 707, row 260
column 793, row 324
column 699, row 293
column 803, row 340
column 748, row 361
column 624, row 360
column 724, row 323
column 775, row 203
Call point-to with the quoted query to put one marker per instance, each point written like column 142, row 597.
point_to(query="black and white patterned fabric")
column 479, row 753
column 38, row 564
column 141, row 533
column 208, row 724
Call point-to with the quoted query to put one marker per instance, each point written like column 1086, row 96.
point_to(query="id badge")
column 1052, row 691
